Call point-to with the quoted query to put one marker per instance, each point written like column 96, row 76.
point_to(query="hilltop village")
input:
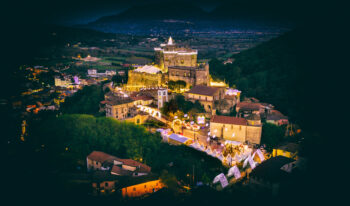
column 175, row 97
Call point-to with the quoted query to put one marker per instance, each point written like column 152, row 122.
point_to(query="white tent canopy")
column 234, row 171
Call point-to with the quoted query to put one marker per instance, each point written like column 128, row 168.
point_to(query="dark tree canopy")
column 179, row 103
column 272, row 135
column 85, row 101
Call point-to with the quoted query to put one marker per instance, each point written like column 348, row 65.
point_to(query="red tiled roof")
column 249, row 105
column 101, row 156
column 228, row 120
column 133, row 163
column 120, row 171
column 144, row 97
column 203, row 90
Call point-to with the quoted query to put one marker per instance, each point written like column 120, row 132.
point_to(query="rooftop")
column 101, row 156
column 148, row 69
column 271, row 169
column 178, row 138
column 228, row 120
column 290, row 147
column 121, row 171
column 248, row 106
column 203, row 90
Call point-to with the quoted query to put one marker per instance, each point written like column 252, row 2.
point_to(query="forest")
column 268, row 72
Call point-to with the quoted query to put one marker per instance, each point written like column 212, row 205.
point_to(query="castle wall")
column 254, row 134
column 187, row 75
column 137, row 80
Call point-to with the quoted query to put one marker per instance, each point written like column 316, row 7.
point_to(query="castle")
column 173, row 63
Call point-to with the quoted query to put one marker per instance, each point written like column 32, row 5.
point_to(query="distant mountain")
column 178, row 11
column 256, row 10
column 178, row 18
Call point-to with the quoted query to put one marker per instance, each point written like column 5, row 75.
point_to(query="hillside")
column 268, row 72
column 179, row 10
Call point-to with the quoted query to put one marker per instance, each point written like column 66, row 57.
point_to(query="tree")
column 85, row 101
column 176, row 85
column 271, row 135
column 120, row 79
column 169, row 180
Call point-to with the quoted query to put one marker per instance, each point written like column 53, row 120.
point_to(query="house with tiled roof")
column 276, row 117
column 97, row 160
column 205, row 95
column 236, row 129
column 109, row 172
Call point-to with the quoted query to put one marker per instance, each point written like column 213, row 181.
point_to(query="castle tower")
column 170, row 54
column 162, row 97
column 170, row 41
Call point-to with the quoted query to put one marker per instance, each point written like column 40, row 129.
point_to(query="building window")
column 240, row 127
column 134, row 189
column 106, row 184
column 182, row 61
column 145, row 186
column 164, row 93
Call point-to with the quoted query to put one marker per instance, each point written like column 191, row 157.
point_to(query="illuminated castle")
column 171, row 55
column 173, row 63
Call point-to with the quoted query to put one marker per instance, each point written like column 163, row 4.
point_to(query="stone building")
column 205, row 95
column 171, row 55
column 191, row 75
column 120, row 108
column 236, row 129
column 159, row 94
column 162, row 97
column 144, row 77
column 173, row 63
column 108, row 173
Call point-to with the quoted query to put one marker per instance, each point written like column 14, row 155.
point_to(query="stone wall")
column 191, row 75
column 137, row 80
column 242, row 133
column 254, row 134
column 164, row 60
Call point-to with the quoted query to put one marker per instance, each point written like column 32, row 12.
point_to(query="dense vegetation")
column 268, row 72
column 180, row 104
column 67, row 148
column 120, row 79
column 85, row 101
column 176, row 85
column 272, row 135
